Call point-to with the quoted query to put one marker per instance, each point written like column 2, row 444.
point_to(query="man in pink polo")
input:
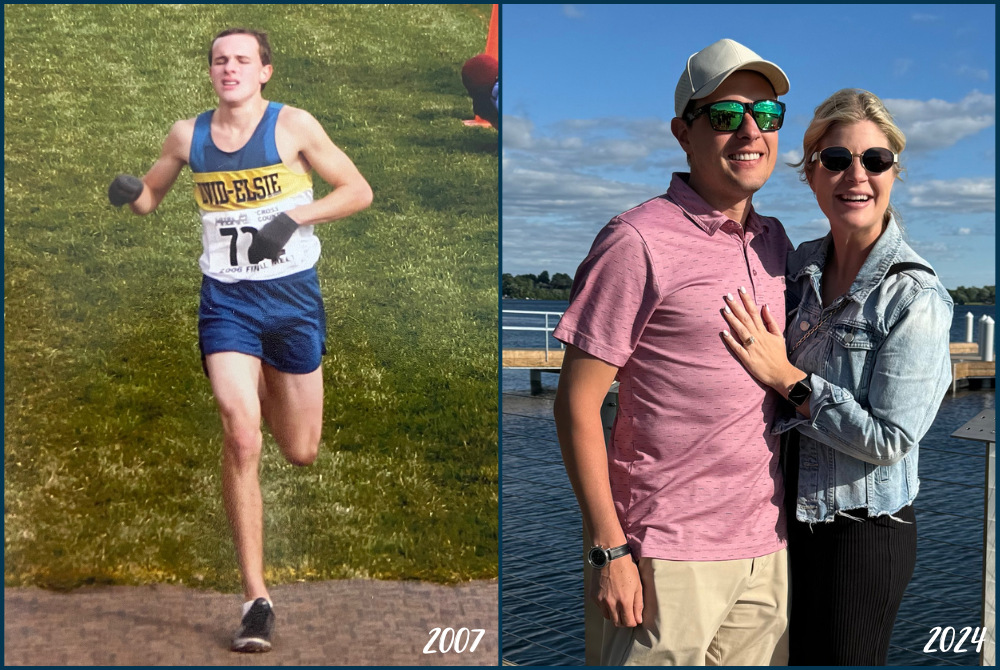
column 691, row 487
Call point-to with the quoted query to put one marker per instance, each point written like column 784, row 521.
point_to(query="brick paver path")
column 348, row 622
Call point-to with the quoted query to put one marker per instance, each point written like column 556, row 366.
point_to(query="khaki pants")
column 707, row 613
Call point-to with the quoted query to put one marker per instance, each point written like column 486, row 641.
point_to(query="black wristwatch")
column 598, row 556
column 800, row 392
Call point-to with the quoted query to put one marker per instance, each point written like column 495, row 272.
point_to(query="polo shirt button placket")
column 741, row 235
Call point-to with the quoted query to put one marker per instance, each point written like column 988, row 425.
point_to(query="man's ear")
column 680, row 130
column 265, row 73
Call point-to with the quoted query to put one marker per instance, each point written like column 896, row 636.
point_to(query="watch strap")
column 618, row 552
column 606, row 555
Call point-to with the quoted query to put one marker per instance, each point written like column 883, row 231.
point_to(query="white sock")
column 248, row 604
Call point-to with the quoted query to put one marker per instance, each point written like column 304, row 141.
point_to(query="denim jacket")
column 878, row 367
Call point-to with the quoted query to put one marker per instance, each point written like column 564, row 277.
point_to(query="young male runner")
column 262, row 324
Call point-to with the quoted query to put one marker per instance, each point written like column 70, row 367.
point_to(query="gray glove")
column 124, row 189
column 270, row 239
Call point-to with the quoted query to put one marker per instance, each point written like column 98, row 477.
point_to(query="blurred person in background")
column 480, row 76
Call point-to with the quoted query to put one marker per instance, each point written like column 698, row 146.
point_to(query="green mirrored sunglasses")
column 725, row 116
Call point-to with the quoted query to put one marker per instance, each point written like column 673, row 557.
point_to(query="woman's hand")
column 756, row 340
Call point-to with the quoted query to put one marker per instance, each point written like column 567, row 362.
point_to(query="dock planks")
column 532, row 358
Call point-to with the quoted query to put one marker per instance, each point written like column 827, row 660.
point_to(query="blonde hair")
column 847, row 106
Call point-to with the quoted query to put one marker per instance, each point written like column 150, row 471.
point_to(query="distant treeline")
column 537, row 287
column 556, row 287
column 968, row 296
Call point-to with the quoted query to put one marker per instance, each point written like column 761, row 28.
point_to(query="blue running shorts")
column 280, row 321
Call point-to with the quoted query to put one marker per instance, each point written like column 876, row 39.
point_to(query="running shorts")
column 280, row 321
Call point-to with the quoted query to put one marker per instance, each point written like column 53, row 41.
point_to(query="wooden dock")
column 536, row 361
column 967, row 370
column 532, row 358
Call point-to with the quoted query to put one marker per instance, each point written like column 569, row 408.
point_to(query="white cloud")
column 565, row 172
column 982, row 229
column 927, row 135
column 901, row 66
column 790, row 156
column 572, row 12
column 531, row 189
column 516, row 133
column 955, row 196
column 975, row 72
column 936, row 124
column 609, row 142
column 924, row 18
column 552, row 247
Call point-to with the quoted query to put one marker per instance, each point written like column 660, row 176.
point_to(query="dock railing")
column 547, row 328
column 530, row 358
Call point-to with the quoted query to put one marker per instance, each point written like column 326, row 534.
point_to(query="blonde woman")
column 864, row 363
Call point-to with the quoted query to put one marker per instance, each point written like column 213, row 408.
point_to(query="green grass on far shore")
column 112, row 439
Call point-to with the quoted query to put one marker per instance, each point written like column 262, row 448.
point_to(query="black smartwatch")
column 800, row 392
column 598, row 556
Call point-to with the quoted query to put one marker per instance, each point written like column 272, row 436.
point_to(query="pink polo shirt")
column 694, row 467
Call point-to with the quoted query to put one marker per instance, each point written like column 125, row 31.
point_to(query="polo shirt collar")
column 700, row 212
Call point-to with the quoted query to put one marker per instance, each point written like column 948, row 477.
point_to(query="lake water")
column 542, row 587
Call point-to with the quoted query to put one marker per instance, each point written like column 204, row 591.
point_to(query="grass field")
column 112, row 439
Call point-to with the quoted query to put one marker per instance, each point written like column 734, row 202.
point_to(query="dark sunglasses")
column 838, row 159
column 727, row 115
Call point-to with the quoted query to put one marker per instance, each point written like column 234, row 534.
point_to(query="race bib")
column 235, row 206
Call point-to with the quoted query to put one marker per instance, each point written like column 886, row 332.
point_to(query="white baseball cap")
column 708, row 68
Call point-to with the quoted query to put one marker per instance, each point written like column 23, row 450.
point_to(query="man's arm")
column 161, row 177
column 583, row 384
column 351, row 192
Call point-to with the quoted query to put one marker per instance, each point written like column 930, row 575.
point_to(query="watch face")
column 597, row 557
column 799, row 393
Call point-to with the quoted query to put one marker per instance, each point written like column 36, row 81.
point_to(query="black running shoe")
column 254, row 634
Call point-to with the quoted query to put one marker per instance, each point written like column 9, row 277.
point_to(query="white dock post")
column 968, row 326
column 987, row 345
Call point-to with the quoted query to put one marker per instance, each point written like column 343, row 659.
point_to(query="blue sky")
column 588, row 96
